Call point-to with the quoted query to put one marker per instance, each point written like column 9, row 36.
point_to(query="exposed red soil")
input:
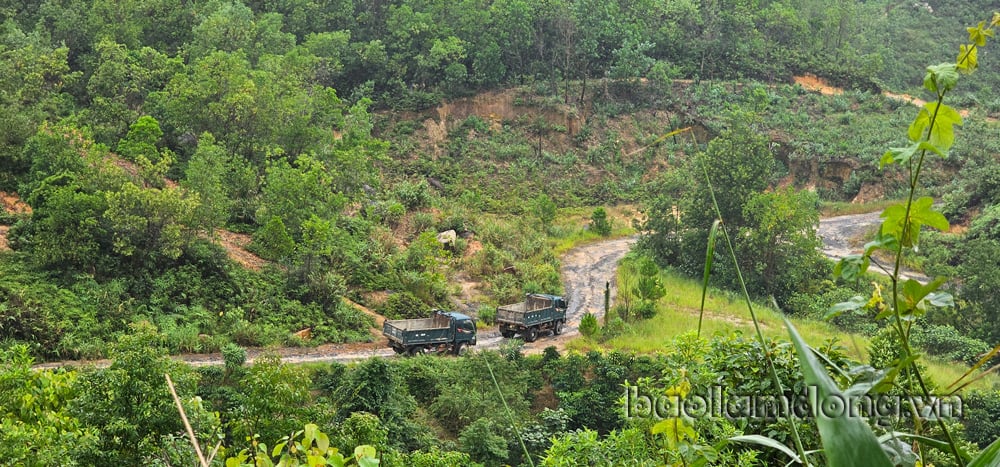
column 815, row 83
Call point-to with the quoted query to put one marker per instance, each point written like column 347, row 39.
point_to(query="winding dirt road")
column 585, row 270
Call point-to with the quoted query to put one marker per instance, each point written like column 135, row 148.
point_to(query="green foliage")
column 982, row 426
column 128, row 404
column 149, row 222
column 37, row 426
column 205, row 174
column 234, row 357
column 589, row 326
column 272, row 241
column 312, row 449
column 272, row 400
column 484, row 442
column 544, row 209
column 599, row 222
column 404, row 305
column 846, row 440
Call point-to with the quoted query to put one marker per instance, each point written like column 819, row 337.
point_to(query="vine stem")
column 901, row 329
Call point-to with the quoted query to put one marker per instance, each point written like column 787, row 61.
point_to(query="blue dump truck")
column 536, row 314
column 444, row 331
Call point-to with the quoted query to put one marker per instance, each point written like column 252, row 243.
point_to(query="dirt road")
column 585, row 270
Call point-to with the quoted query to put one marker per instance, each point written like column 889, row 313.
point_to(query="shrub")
column 234, row 356
column 982, row 417
column 413, row 195
column 945, row 341
column 487, row 314
column 589, row 326
column 484, row 442
column 614, row 328
column 600, row 222
column 403, row 305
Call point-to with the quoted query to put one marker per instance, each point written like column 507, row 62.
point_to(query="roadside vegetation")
column 210, row 176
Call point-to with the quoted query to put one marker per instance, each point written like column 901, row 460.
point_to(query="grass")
column 726, row 312
column 569, row 229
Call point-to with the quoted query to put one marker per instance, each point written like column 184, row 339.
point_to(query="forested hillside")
column 211, row 176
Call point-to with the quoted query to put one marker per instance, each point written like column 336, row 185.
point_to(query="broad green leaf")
column 921, row 213
column 942, row 134
column 898, row 155
column 368, row 462
column 941, row 78
column 967, row 60
column 979, row 33
column 363, row 451
column 904, row 154
column 675, row 430
column 322, row 442
column 315, row 460
column 855, row 303
column 934, row 443
column 847, row 441
column 914, row 292
column 768, row 442
column 990, row 457
column 941, row 299
column 881, row 242
column 851, row 266
column 309, row 434
column 277, row 449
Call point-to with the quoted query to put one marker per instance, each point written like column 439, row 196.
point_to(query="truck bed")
column 420, row 324
column 417, row 331
column 531, row 304
column 534, row 310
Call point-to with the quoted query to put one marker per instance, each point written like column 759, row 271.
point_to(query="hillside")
column 239, row 182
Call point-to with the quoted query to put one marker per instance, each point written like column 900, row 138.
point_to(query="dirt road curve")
column 842, row 236
column 585, row 270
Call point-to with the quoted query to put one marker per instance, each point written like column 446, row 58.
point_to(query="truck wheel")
column 415, row 350
column 457, row 350
column 558, row 328
column 530, row 334
column 507, row 334
column 398, row 350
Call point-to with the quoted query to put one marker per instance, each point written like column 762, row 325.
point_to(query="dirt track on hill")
column 585, row 270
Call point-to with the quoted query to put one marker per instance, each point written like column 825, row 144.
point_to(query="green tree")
column 780, row 230
column 544, row 209
column 273, row 242
column 67, row 228
column 129, row 404
column 36, row 426
column 205, row 174
column 297, row 192
column 484, row 442
column 599, row 222
column 273, row 399
column 149, row 223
